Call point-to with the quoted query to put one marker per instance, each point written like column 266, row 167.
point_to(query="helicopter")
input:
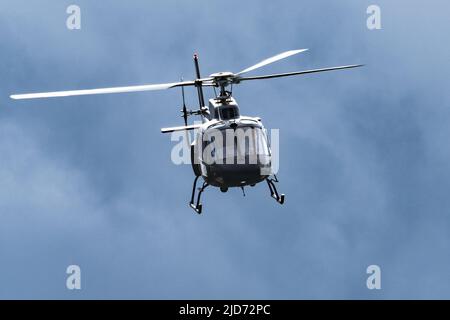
column 229, row 150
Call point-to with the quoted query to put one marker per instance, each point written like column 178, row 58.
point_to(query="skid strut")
column 198, row 206
column 273, row 190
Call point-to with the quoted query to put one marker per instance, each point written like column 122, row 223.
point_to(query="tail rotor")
column 184, row 110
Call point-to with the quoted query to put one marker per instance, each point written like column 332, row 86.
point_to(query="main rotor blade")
column 270, row 60
column 149, row 87
column 181, row 128
column 279, row 75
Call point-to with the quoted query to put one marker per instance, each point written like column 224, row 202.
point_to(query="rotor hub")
column 223, row 78
column 225, row 74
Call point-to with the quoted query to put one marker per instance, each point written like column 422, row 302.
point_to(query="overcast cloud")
column 364, row 163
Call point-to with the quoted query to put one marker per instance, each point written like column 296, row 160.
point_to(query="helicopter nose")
column 235, row 175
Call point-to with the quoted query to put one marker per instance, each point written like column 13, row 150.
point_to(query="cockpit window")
column 244, row 145
column 230, row 112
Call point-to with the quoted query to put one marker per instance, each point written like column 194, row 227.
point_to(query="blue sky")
column 364, row 163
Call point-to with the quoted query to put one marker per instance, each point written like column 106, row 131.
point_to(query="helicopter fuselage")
column 230, row 150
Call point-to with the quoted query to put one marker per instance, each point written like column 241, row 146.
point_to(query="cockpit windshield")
column 243, row 145
column 229, row 112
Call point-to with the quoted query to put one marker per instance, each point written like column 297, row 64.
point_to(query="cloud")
column 89, row 180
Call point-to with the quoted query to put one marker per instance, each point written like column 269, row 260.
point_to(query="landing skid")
column 273, row 190
column 198, row 206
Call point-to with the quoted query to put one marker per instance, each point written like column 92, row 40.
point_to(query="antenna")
column 198, row 83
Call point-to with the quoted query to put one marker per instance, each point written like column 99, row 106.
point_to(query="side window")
column 209, row 149
column 199, row 147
